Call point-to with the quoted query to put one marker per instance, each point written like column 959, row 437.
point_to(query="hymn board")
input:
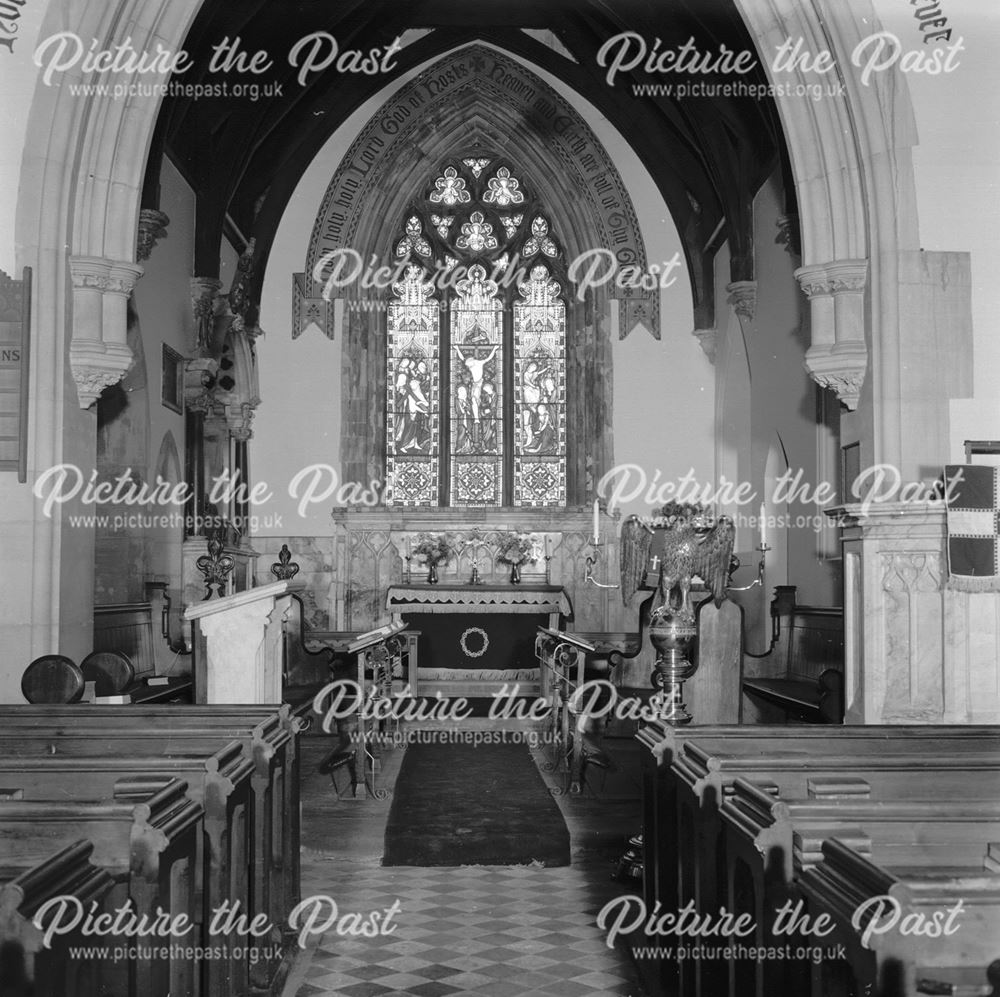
column 15, row 309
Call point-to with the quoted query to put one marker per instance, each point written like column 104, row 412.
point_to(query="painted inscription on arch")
column 567, row 137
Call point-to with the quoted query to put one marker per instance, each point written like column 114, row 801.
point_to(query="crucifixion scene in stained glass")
column 480, row 343
column 476, row 337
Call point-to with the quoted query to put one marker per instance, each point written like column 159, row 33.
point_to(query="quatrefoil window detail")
column 503, row 189
column 450, row 189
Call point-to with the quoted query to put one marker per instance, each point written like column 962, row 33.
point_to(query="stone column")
column 915, row 650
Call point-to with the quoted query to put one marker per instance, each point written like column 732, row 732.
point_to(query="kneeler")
column 343, row 756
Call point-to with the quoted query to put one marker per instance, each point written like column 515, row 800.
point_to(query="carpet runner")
column 460, row 804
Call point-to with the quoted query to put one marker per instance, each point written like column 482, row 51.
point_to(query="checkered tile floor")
column 509, row 931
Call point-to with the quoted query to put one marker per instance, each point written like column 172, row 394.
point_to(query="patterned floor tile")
column 469, row 931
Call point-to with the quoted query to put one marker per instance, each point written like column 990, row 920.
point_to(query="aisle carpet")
column 459, row 804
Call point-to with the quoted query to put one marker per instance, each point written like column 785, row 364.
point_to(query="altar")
column 476, row 639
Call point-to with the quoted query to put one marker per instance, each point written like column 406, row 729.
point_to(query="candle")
column 597, row 522
column 763, row 542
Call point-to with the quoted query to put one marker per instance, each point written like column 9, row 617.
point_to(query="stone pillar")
column 915, row 650
column 98, row 353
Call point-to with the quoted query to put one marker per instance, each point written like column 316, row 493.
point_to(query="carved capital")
column 833, row 278
column 840, row 368
column 96, row 366
column 708, row 341
column 838, row 356
column 788, row 235
column 239, row 418
column 204, row 298
column 99, row 356
column 152, row 227
column 199, row 377
column 97, row 273
column 743, row 298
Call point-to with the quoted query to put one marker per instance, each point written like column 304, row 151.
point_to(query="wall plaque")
column 15, row 312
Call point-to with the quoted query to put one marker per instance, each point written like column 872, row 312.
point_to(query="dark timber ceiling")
column 707, row 156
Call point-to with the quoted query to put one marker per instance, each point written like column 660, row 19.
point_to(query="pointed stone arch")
column 480, row 100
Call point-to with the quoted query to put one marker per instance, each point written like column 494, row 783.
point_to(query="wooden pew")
column 129, row 628
column 247, row 793
column 23, row 892
column 771, row 842
column 706, row 772
column 219, row 782
column 145, row 837
column 269, row 734
column 802, row 678
column 893, row 961
column 666, row 745
column 686, row 829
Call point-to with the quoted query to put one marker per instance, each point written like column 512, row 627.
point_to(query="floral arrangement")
column 680, row 514
column 517, row 549
column 434, row 548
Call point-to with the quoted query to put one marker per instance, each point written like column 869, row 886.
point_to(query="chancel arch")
column 533, row 380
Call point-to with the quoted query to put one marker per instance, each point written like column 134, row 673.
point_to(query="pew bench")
column 844, row 880
column 145, row 837
column 770, row 843
column 268, row 734
column 665, row 743
column 218, row 782
column 248, row 837
column 68, row 872
column 268, row 737
column 682, row 817
column 127, row 628
column 802, row 678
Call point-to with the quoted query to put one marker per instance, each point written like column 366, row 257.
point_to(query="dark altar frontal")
column 475, row 639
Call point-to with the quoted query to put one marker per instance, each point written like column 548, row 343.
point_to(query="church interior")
column 563, row 558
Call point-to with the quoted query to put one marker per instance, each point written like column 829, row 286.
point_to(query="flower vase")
column 515, row 574
column 432, row 574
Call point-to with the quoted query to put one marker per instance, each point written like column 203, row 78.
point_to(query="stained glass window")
column 413, row 385
column 476, row 339
column 539, row 392
column 458, row 350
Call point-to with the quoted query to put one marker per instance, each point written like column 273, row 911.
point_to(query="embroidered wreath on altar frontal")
column 465, row 647
column 518, row 548
column 434, row 548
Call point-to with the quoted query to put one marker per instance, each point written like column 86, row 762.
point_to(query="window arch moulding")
column 473, row 105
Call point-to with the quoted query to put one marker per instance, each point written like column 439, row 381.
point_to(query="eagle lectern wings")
column 684, row 552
